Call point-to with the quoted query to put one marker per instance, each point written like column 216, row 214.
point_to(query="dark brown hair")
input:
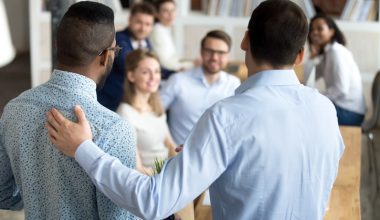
column 218, row 34
column 277, row 32
column 144, row 8
column 338, row 35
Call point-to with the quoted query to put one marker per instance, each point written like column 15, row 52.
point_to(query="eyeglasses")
column 210, row 52
column 116, row 49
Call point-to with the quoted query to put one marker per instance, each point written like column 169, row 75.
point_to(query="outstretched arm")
column 204, row 157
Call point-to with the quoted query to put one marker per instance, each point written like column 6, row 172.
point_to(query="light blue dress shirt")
column 187, row 95
column 269, row 152
column 32, row 171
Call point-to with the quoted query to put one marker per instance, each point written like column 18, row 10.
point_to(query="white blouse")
column 341, row 75
column 163, row 45
column 151, row 132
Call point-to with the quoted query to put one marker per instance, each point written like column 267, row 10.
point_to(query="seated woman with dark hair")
column 335, row 63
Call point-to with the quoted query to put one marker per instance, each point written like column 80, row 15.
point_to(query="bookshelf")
column 40, row 39
column 191, row 25
column 363, row 36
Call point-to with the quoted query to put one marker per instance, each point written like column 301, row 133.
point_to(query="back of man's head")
column 277, row 32
column 86, row 29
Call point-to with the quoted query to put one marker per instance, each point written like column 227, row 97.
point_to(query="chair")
column 369, row 126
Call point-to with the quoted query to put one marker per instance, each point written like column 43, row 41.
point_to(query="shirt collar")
column 328, row 47
column 75, row 81
column 199, row 74
column 136, row 44
column 269, row 78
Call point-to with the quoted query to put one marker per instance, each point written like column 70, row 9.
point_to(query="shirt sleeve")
column 169, row 91
column 309, row 66
column 340, row 70
column 10, row 196
column 183, row 177
column 168, row 58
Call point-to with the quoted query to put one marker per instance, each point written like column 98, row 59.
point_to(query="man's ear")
column 300, row 56
column 104, row 58
column 245, row 42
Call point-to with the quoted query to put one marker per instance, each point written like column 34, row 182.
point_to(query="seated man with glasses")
column 187, row 95
column 33, row 175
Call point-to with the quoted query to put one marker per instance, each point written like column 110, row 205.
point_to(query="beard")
column 211, row 70
column 103, row 78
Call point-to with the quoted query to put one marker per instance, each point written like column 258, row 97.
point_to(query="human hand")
column 179, row 148
column 65, row 134
column 314, row 50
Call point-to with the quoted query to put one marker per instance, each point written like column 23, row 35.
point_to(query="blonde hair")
column 132, row 61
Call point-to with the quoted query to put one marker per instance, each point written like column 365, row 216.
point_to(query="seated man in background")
column 32, row 174
column 187, row 95
column 140, row 25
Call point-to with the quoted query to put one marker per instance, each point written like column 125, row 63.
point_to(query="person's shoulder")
column 338, row 50
column 126, row 111
column 181, row 76
column 232, row 78
column 108, row 125
column 29, row 96
column 114, row 135
column 159, row 27
column 229, row 105
column 315, row 98
column 104, row 119
column 122, row 35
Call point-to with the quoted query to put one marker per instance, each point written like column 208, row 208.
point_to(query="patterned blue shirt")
column 33, row 172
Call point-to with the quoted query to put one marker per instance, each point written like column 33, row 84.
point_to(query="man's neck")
column 84, row 71
column 211, row 77
column 252, row 70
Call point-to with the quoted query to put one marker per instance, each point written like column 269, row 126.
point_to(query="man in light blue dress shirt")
column 188, row 94
column 34, row 175
column 269, row 152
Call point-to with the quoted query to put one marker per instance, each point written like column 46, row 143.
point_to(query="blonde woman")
column 141, row 106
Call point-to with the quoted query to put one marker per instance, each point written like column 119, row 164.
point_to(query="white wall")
column 18, row 18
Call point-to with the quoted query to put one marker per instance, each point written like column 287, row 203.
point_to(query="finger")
column 52, row 121
column 178, row 149
column 53, row 140
column 59, row 118
column 51, row 130
column 80, row 115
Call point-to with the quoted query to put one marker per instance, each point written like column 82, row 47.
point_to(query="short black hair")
column 277, row 32
column 218, row 34
column 144, row 8
column 86, row 29
column 338, row 34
